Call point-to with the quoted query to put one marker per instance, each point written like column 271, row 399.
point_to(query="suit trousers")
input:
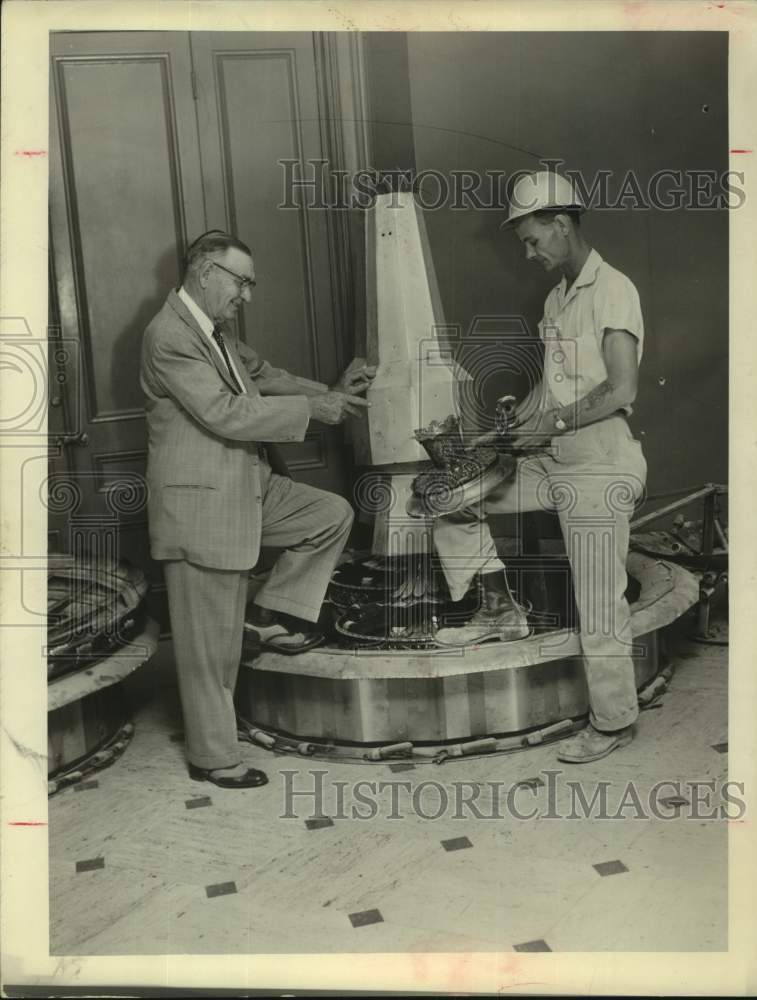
column 591, row 480
column 207, row 607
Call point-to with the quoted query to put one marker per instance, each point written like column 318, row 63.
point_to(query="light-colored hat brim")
column 513, row 220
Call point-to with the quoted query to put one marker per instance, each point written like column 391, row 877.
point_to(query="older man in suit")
column 217, row 493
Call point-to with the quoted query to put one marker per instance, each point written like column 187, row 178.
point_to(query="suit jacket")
column 205, row 499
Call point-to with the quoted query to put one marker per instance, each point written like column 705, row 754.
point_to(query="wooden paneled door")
column 125, row 194
column 261, row 101
column 155, row 138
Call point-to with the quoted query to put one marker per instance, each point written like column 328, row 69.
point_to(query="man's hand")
column 529, row 442
column 536, row 431
column 529, row 437
column 484, row 440
column 356, row 378
column 528, row 424
column 332, row 407
column 522, row 416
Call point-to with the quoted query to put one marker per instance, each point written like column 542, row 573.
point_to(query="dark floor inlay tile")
column 199, row 802
column 319, row 823
column 405, row 766
column 221, row 889
column 365, row 917
column 176, row 737
column 90, row 864
column 675, row 801
column 456, row 844
column 84, row 786
column 610, row 868
column 720, row 747
column 529, row 783
column 538, row 945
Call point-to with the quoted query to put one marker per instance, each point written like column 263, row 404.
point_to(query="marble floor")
column 144, row 860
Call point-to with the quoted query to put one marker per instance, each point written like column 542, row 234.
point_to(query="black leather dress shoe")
column 250, row 779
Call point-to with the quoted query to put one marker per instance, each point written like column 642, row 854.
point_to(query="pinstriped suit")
column 213, row 499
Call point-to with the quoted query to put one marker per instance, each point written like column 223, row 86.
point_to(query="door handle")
column 81, row 439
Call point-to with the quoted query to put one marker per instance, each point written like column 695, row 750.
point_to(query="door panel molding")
column 288, row 57
column 302, row 314
column 308, row 454
column 64, row 66
column 108, row 466
column 125, row 192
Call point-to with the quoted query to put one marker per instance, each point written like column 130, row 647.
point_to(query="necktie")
column 218, row 337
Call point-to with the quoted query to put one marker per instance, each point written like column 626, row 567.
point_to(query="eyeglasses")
column 244, row 283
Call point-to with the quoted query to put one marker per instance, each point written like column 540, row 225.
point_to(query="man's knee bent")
column 451, row 530
column 347, row 514
column 338, row 511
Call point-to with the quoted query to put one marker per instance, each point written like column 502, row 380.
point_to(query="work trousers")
column 591, row 478
column 207, row 607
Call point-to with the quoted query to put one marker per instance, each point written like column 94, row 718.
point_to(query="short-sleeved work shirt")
column 574, row 325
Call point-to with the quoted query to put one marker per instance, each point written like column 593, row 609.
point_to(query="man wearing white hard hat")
column 577, row 457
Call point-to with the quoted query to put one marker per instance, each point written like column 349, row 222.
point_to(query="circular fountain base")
column 436, row 695
column 87, row 708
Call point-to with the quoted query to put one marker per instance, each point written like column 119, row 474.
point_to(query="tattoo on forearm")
column 596, row 396
column 592, row 401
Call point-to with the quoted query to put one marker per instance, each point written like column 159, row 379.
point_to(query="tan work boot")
column 504, row 624
column 591, row 744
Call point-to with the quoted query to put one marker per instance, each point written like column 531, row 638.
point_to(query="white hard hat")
column 543, row 190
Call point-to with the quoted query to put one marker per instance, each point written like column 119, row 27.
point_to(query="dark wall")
column 391, row 128
column 600, row 101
